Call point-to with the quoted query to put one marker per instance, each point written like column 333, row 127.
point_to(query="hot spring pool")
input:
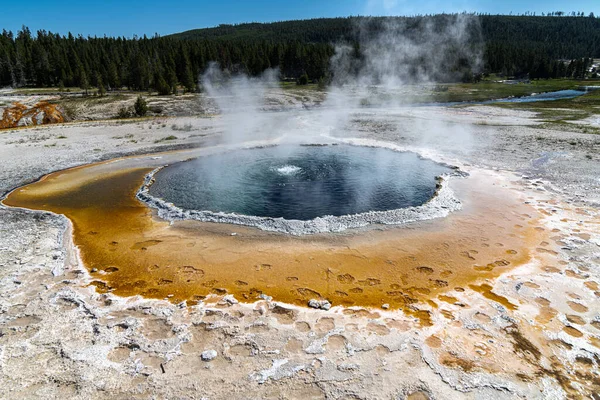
column 300, row 182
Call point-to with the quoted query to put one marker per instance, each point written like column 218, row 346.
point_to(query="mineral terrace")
column 522, row 327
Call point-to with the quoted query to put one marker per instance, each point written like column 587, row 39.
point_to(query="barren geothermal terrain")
column 489, row 290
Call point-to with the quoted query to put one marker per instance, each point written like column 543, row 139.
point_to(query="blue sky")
column 134, row 17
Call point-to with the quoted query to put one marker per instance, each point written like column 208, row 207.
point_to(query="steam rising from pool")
column 388, row 64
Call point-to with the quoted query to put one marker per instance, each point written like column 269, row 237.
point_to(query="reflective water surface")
column 300, row 182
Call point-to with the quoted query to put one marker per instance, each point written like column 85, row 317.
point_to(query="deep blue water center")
column 300, row 182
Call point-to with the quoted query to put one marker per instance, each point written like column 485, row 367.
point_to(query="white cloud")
column 378, row 7
column 405, row 7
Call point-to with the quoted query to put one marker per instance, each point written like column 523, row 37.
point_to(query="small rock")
column 233, row 234
column 265, row 297
column 229, row 299
column 208, row 355
column 94, row 270
column 57, row 270
column 385, row 306
column 348, row 367
column 319, row 304
column 261, row 308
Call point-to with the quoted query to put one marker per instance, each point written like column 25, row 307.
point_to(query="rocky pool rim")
column 441, row 204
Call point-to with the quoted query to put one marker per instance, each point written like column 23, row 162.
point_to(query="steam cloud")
column 395, row 60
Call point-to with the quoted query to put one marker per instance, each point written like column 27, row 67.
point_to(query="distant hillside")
column 560, row 37
column 510, row 45
column 320, row 30
column 526, row 38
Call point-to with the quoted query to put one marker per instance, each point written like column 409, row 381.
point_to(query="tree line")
column 534, row 46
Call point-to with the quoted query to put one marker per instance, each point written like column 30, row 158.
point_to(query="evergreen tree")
column 100, row 85
column 161, row 86
column 303, row 79
column 83, row 81
column 188, row 79
column 140, row 107
column 114, row 82
column 172, row 80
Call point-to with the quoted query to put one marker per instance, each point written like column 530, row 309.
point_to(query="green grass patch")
column 46, row 90
column 294, row 86
column 110, row 98
column 563, row 113
column 489, row 90
column 167, row 138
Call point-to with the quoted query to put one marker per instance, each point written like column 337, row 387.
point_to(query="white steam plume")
column 396, row 58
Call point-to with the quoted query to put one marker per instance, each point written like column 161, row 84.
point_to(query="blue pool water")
column 300, row 182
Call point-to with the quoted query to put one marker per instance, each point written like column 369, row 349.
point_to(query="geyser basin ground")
column 131, row 251
column 300, row 182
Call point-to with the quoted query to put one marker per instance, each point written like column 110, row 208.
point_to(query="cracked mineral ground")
column 492, row 292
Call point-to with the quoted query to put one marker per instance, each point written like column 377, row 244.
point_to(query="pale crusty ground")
column 59, row 338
